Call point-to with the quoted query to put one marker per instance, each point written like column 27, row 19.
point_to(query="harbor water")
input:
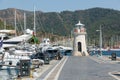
column 106, row 53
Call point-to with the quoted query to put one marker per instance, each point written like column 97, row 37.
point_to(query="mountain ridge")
column 62, row 23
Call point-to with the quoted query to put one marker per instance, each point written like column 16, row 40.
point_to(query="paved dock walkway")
column 79, row 68
column 87, row 68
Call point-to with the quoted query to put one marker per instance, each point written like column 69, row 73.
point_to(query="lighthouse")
column 79, row 42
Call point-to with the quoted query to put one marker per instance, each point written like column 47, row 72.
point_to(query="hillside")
column 62, row 23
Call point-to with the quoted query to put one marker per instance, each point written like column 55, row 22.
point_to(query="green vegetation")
column 7, row 26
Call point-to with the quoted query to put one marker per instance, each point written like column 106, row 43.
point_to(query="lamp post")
column 100, row 40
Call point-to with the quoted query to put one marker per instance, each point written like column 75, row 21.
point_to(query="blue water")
column 108, row 53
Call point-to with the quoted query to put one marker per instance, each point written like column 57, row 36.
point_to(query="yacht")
column 44, row 45
column 11, row 60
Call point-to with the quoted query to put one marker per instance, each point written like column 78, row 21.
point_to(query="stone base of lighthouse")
column 77, row 53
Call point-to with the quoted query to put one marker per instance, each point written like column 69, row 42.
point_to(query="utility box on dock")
column 113, row 56
column 24, row 67
column 46, row 59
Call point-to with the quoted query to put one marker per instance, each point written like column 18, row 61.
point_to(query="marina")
column 48, row 61
column 67, row 45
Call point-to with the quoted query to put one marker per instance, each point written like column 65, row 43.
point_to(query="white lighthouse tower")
column 79, row 43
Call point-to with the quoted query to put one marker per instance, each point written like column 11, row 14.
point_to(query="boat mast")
column 34, row 29
column 15, row 23
column 5, row 24
column 24, row 22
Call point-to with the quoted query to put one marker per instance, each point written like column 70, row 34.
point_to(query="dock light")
column 100, row 40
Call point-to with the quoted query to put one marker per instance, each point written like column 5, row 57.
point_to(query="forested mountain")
column 63, row 22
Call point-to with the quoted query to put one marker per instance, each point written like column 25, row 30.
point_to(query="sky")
column 59, row 5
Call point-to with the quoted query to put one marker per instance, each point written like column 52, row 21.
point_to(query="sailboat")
column 10, row 58
column 12, row 42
